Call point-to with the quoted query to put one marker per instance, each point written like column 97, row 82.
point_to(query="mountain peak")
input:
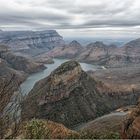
column 67, row 66
column 96, row 44
column 134, row 43
column 75, row 43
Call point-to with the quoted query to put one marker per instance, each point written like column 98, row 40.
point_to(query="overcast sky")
column 100, row 18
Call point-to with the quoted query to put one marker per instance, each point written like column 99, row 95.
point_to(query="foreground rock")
column 70, row 96
column 131, row 127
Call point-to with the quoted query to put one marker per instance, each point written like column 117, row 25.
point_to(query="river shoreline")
column 28, row 84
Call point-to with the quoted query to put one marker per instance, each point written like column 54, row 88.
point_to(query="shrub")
column 36, row 129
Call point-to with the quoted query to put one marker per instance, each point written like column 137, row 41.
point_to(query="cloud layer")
column 72, row 16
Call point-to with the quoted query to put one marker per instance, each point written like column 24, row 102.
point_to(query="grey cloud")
column 70, row 14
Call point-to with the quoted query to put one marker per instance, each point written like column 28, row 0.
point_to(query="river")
column 28, row 84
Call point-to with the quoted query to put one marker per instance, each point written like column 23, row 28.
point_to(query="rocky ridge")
column 20, row 63
column 102, row 54
column 13, row 71
column 70, row 96
column 70, row 50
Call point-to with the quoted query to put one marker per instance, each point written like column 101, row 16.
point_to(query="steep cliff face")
column 10, row 80
column 70, row 96
column 22, row 63
column 13, row 71
column 31, row 40
column 131, row 126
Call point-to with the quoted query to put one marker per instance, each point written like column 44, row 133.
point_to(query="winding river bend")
column 28, row 84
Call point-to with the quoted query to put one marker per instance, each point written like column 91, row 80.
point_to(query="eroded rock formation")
column 31, row 42
column 70, row 96
column 131, row 126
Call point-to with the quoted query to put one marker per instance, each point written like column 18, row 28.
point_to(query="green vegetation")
column 36, row 129
column 39, row 129
column 43, row 129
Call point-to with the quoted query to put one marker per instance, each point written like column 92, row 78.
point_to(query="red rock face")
column 131, row 126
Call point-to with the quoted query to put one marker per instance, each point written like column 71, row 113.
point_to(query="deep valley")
column 47, row 83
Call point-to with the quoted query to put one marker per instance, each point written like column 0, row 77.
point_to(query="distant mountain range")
column 38, row 42
column 100, row 53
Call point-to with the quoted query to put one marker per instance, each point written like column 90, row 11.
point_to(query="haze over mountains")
column 68, row 95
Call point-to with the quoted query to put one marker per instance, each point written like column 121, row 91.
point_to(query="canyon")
column 70, row 96
column 70, row 93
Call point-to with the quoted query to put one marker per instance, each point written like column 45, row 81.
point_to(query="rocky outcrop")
column 132, row 48
column 18, row 62
column 10, row 80
column 10, row 98
column 13, row 71
column 112, row 56
column 43, row 58
column 103, row 127
column 100, row 53
column 70, row 50
column 22, row 63
column 131, row 126
column 32, row 42
column 96, row 53
column 70, row 96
